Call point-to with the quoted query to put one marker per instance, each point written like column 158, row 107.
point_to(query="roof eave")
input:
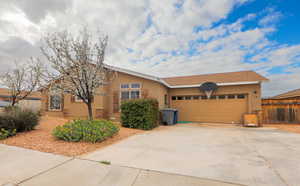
column 160, row 80
column 219, row 84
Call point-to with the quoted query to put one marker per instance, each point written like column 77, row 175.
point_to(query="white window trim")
column 49, row 100
column 129, row 90
column 129, row 84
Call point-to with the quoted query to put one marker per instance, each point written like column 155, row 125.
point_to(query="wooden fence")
column 281, row 111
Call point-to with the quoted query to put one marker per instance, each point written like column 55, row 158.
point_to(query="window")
column 135, row 94
column 188, row 97
column 124, row 95
column 179, row 97
column 135, row 85
column 173, row 97
column 166, row 99
column 130, row 91
column 241, row 96
column 221, row 96
column 55, row 102
column 124, row 85
column 231, row 96
column 213, row 97
column 55, row 99
column 203, row 97
column 196, row 97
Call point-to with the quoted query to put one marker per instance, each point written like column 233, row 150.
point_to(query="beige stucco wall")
column 103, row 101
column 149, row 89
column 73, row 109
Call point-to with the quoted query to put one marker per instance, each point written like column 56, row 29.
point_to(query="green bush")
column 140, row 114
column 19, row 120
column 85, row 130
column 6, row 133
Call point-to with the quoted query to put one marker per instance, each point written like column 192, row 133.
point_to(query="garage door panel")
column 220, row 111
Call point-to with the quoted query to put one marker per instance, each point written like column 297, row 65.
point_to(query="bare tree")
column 78, row 63
column 22, row 80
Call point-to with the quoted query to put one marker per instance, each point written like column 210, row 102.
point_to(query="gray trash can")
column 169, row 116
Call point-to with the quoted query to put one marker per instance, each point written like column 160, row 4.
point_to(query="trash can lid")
column 169, row 109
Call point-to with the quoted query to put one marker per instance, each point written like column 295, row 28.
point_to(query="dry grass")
column 41, row 139
column 286, row 127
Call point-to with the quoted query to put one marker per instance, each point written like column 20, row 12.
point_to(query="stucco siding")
column 149, row 89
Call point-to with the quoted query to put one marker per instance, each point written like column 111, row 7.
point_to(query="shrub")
column 6, row 133
column 19, row 120
column 140, row 114
column 85, row 130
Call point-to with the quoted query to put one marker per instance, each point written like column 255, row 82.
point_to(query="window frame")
column 195, row 97
column 221, row 96
column 166, row 100
column 231, row 96
column 49, row 102
column 124, row 84
column 130, row 89
column 139, row 94
column 55, row 91
column 127, row 91
column 139, row 86
column 241, row 96
column 188, row 97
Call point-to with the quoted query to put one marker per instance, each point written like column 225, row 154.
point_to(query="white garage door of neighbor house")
column 217, row 109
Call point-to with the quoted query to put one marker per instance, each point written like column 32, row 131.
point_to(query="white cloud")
column 158, row 38
column 271, row 18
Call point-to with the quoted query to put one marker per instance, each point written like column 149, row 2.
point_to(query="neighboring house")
column 238, row 93
column 33, row 101
column 2, row 105
column 283, row 108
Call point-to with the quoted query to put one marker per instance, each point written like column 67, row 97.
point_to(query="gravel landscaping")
column 295, row 128
column 41, row 139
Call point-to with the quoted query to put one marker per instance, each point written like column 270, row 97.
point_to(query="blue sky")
column 176, row 37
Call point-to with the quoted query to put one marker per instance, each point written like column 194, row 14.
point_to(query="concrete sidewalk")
column 32, row 168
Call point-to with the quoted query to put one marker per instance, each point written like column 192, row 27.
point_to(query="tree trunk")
column 13, row 101
column 90, row 109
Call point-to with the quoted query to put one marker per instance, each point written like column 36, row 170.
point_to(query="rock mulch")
column 286, row 127
column 41, row 139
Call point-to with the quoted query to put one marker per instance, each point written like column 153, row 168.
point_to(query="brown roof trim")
column 226, row 77
column 289, row 94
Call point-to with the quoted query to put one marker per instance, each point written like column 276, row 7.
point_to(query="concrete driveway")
column 249, row 156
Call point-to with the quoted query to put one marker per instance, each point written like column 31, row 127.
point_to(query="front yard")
column 295, row 128
column 41, row 139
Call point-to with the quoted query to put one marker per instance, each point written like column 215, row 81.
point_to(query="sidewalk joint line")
column 45, row 171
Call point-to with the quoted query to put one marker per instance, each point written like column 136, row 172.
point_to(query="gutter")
column 219, row 84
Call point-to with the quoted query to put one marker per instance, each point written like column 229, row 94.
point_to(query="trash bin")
column 169, row 116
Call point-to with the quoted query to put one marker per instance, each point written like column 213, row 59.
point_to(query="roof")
column 222, row 79
column 289, row 94
column 228, row 78
column 33, row 96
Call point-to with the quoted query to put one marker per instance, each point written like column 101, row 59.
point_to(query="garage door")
column 218, row 109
